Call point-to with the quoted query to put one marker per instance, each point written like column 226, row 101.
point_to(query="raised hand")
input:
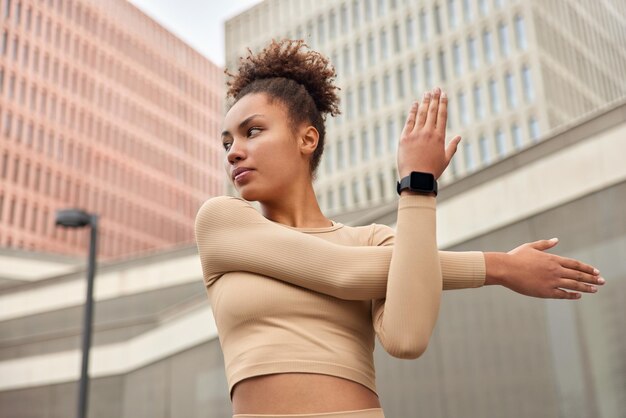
column 422, row 139
column 529, row 270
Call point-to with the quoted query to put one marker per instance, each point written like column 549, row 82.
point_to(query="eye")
column 254, row 129
column 226, row 145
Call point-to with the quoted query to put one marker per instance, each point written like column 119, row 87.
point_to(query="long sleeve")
column 231, row 235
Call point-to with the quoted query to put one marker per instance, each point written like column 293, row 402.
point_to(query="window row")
column 373, row 187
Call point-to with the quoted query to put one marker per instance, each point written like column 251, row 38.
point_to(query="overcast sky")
column 200, row 23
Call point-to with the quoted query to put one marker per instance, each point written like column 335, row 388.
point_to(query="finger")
column 422, row 110
column 410, row 119
column 431, row 117
column 544, row 244
column 573, row 264
column 452, row 147
column 562, row 294
column 574, row 285
column 442, row 114
column 580, row 276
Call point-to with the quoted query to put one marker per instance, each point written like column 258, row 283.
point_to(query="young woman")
column 298, row 299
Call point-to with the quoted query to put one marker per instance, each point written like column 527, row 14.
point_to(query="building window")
column 343, row 12
column 330, row 198
column 391, row 135
column 378, row 140
column 374, row 93
column 500, row 143
column 396, row 38
column 456, row 57
column 488, row 46
column 428, row 72
column 382, row 183
column 321, row 34
column 437, row 17
column 371, row 52
column 469, row 157
column 483, row 7
column 365, row 146
column 347, row 67
column 533, row 129
column 343, row 201
column 368, row 10
column 468, row 13
column 479, row 107
column 511, row 97
column 410, row 31
column 382, row 7
column 359, row 56
column 349, row 105
column 462, row 106
column 361, row 99
column 355, row 192
column 516, row 134
column 484, row 149
column 387, row 90
column 442, row 65
column 328, row 160
column 503, row 33
column 368, row 187
column 352, row 149
column 452, row 13
column 340, row 155
column 384, row 51
column 520, row 33
column 529, row 92
column 332, row 25
column 424, row 33
column 400, row 82
column 355, row 14
column 413, row 75
column 494, row 97
column 471, row 52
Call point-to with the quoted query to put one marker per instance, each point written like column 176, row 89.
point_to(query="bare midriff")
column 300, row 393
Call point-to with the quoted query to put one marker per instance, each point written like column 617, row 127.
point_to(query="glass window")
column 340, row 156
column 359, row 55
column 371, row 53
column 437, row 16
column 483, row 7
column 384, row 51
column 368, row 187
column 368, row 10
column 442, row 65
column 500, row 143
column 352, row 149
column 387, row 90
column 428, row 72
column 321, row 34
column 396, row 38
column 382, row 183
column 413, row 75
column 462, row 106
column 349, row 105
column 529, row 92
column 374, row 93
column 468, row 156
column 484, row 149
column 520, row 33
column 494, row 97
column 361, row 99
column 456, row 57
column 347, row 67
column 468, row 13
column 410, row 31
column 424, row 25
column 365, row 146
column 344, row 18
column 488, row 46
column 328, row 160
column 516, row 134
column 332, row 25
column 533, row 128
column 511, row 96
column 471, row 52
column 330, row 198
column 378, row 140
column 355, row 192
column 382, row 7
column 503, row 34
column 478, row 102
column 400, row 82
column 452, row 13
column 391, row 135
column 355, row 14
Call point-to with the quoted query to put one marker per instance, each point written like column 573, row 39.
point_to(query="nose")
column 235, row 152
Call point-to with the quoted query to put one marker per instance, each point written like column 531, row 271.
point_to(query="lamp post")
column 76, row 218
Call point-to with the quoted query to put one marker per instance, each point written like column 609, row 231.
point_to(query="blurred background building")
column 537, row 93
column 102, row 108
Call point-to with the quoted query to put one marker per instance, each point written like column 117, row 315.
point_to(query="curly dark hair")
column 301, row 80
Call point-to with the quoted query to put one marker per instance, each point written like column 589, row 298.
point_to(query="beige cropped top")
column 311, row 300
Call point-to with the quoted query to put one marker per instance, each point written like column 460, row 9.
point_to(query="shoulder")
column 219, row 209
column 382, row 235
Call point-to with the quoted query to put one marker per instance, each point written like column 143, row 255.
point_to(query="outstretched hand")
column 529, row 270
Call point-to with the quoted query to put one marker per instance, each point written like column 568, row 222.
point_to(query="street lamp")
column 76, row 218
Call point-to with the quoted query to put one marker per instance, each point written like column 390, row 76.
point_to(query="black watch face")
column 422, row 181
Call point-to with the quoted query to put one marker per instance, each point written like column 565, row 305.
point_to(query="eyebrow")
column 242, row 124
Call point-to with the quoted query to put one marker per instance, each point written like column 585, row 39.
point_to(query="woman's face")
column 257, row 135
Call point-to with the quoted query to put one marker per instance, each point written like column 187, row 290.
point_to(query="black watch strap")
column 418, row 182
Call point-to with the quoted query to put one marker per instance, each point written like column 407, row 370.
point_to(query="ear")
column 308, row 139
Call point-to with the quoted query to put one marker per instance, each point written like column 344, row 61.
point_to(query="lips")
column 240, row 170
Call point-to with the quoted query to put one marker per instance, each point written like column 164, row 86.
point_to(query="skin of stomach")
column 300, row 393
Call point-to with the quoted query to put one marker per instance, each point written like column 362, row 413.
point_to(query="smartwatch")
column 418, row 182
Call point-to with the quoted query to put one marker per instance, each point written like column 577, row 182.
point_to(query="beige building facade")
column 103, row 109
column 514, row 72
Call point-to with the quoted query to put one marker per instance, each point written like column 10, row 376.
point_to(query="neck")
column 296, row 207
